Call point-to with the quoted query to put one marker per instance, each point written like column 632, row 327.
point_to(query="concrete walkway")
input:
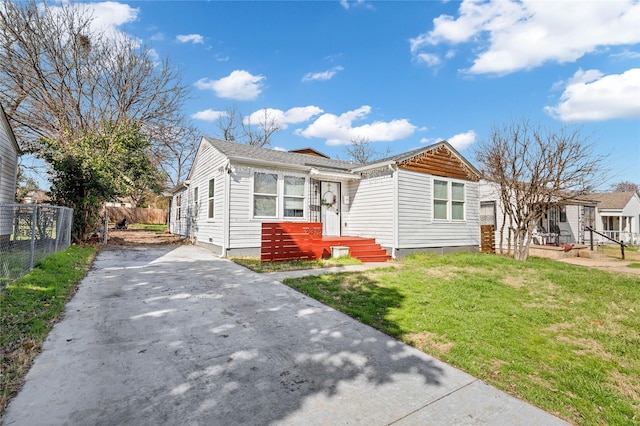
column 175, row 336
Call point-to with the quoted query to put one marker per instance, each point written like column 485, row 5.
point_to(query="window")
column 178, row 206
column 195, row 201
column 293, row 196
column 212, row 191
column 265, row 194
column 440, row 199
column 488, row 213
column 563, row 213
column 448, row 200
column 457, row 201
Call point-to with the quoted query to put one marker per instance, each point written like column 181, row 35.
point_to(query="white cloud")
column 347, row 4
column 593, row 96
column 284, row 118
column 209, row 115
column 339, row 130
column 190, row 38
column 239, row 85
column 157, row 37
column 107, row 16
column 324, row 75
column 516, row 35
column 462, row 141
column 429, row 58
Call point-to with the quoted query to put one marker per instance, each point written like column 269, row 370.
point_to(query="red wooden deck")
column 285, row 241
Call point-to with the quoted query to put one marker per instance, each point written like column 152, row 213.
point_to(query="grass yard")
column 30, row 306
column 254, row 264
column 156, row 228
column 562, row 337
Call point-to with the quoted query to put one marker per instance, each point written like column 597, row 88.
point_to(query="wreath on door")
column 328, row 199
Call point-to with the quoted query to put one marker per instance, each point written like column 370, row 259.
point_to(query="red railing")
column 283, row 241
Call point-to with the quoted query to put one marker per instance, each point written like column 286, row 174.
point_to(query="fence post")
column 591, row 237
column 32, row 254
column 106, row 226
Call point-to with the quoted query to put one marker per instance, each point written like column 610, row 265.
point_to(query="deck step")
column 363, row 249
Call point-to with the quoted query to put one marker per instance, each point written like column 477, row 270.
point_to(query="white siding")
column 416, row 226
column 8, row 163
column 370, row 213
column 178, row 223
column 210, row 165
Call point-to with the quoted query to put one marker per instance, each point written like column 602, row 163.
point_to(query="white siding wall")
column 370, row 213
column 245, row 230
column 210, row 165
column 178, row 214
column 416, row 226
column 8, row 164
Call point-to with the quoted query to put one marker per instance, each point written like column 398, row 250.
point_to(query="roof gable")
column 237, row 151
column 612, row 200
column 440, row 159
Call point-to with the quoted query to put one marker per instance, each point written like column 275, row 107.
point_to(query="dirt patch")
column 429, row 342
column 132, row 237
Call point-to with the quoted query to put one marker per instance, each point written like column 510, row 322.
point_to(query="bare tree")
column 235, row 127
column 535, row 168
column 625, row 186
column 259, row 134
column 174, row 149
column 228, row 124
column 361, row 150
column 82, row 99
column 60, row 77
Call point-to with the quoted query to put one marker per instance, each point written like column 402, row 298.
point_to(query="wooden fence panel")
column 283, row 241
column 137, row 215
column 487, row 239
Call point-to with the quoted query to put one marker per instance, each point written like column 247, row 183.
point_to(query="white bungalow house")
column 9, row 151
column 617, row 215
column 423, row 200
column 563, row 222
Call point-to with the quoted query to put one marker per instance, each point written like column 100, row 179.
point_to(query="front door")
column 330, row 208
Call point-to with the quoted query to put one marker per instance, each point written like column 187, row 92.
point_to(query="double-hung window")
column 448, row 200
column 293, row 196
column 265, row 194
column 211, row 198
column 195, row 201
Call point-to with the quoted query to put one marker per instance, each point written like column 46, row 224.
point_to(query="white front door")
column 330, row 208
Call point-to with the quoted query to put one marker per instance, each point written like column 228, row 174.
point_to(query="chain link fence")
column 28, row 234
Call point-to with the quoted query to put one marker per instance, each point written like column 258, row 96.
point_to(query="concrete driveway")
column 174, row 335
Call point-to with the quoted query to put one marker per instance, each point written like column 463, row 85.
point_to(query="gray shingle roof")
column 612, row 200
column 235, row 150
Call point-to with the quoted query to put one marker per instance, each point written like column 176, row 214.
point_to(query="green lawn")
column 157, row 228
column 30, row 306
column 562, row 337
column 254, row 264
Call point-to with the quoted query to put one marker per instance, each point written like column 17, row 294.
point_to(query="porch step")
column 363, row 249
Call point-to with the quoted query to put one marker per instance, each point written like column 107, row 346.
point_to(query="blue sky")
column 404, row 73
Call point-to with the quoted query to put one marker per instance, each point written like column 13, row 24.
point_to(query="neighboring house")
column 36, row 197
column 571, row 217
column 9, row 152
column 617, row 215
column 121, row 202
column 423, row 200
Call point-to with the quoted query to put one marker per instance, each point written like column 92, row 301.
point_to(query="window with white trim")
column 178, row 206
column 448, row 200
column 293, row 201
column 265, row 194
column 211, row 198
column 195, row 201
